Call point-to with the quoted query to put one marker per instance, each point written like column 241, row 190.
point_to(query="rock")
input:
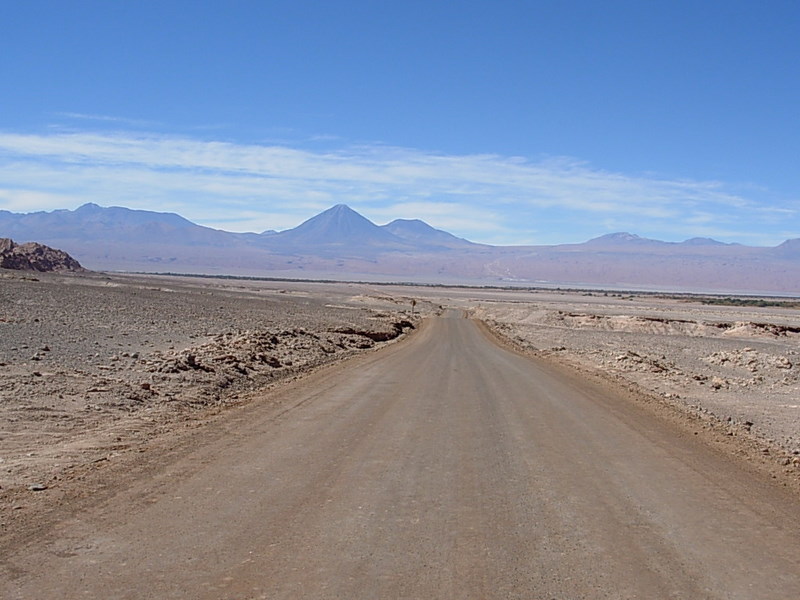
column 37, row 487
column 35, row 257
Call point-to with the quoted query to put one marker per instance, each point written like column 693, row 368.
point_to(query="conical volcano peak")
column 339, row 224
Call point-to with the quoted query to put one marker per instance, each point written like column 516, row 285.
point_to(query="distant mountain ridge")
column 339, row 226
column 91, row 222
column 622, row 238
column 704, row 241
column 788, row 249
column 341, row 243
column 417, row 231
column 87, row 214
column 343, row 230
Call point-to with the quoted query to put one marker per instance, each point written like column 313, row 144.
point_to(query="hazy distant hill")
column 789, row 249
column 93, row 223
column 622, row 239
column 338, row 231
column 703, row 241
column 341, row 243
column 420, row 233
column 342, row 232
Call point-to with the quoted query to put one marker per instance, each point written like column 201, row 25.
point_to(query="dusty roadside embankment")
column 731, row 371
column 95, row 366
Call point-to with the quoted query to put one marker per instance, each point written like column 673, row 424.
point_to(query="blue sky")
column 505, row 121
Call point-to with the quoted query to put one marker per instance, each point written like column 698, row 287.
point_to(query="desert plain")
column 105, row 378
column 92, row 365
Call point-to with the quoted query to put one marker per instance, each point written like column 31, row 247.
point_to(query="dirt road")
column 443, row 467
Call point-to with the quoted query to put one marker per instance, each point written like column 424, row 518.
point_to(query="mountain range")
column 339, row 243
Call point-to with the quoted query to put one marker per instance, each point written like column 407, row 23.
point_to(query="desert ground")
column 117, row 391
column 94, row 365
column 154, row 422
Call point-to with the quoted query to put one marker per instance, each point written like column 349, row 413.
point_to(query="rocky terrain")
column 738, row 366
column 35, row 257
column 94, row 366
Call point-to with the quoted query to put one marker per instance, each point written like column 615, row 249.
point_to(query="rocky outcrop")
column 35, row 257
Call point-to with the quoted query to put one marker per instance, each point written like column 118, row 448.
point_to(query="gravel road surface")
column 441, row 467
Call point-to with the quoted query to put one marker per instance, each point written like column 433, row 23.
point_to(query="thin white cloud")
column 106, row 119
column 256, row 187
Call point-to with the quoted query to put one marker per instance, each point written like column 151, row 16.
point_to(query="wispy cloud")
column 106, row 119
column 254, row 187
